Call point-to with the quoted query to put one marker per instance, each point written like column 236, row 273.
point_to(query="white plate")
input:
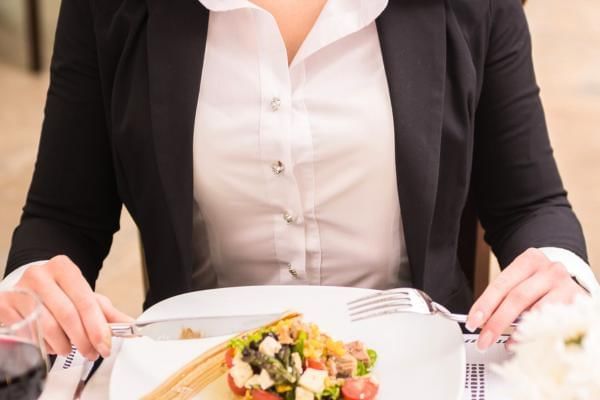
column 420, row 357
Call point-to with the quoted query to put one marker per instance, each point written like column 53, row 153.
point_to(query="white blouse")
column 294, row 168
column 294, row 171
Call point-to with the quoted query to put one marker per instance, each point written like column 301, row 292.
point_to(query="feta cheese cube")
column 264, row 380
column 303, row 394
column 241, row 372
column 253, row 382
column 269, row 346
column 313, row 380
column 297, row 362
column 237, row 359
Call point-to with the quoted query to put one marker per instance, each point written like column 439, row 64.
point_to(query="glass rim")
column 29, row 318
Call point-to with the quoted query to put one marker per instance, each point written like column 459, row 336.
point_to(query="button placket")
column 276, row 153
column 277, row 167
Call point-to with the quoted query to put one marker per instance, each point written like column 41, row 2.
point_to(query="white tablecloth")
column 481, row 382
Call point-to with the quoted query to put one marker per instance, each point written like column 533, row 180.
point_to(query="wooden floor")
column 566, row 49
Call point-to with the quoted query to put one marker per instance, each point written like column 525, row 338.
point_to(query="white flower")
column 557, row 354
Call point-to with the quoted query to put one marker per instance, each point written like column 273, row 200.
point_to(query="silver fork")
column 401, row 300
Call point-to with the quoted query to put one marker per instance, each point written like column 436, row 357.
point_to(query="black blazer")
column 120, row 114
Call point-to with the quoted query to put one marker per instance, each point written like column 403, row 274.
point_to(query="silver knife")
column 190, row 328
column 83, row 379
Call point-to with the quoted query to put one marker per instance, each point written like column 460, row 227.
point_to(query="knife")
column 192, row 328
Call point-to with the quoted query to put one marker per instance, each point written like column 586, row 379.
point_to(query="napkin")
column 64, row 376
column 481, row 382
column 97, row 387
column 66, row 372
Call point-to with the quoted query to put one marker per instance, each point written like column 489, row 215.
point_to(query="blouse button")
column 292, row 271
column 288, row 218
column 275, row 103
column 277, row 167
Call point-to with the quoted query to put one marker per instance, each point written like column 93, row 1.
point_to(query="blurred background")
column 566, row 41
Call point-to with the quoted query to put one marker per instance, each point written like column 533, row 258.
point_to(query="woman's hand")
column 529, row 282
column 71, row 311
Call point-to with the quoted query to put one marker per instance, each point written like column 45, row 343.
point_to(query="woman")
column 294, row 142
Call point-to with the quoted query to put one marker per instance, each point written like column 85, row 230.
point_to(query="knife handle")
column 124, row 330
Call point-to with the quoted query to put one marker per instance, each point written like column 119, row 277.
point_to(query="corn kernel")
column 283, row 388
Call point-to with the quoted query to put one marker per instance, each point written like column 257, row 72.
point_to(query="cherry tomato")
column 258, row 394
column 359, row 389
column 234, row 388
column 315, row 364
column 229, row 357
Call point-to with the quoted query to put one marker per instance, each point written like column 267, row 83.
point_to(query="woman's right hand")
column 71, row 311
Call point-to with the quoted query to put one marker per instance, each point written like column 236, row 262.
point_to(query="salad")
column 294, row 360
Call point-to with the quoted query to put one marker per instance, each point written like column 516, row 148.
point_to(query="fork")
column 401, row 300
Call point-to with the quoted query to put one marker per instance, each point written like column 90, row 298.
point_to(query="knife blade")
column 194, row 327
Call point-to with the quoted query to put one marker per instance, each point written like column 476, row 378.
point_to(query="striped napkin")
column 481, row 382
column 64, row 376
column 66, row 372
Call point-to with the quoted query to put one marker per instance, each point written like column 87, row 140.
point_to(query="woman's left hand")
column 529, row 282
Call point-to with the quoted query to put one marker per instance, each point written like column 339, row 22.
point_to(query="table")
column 481, row 382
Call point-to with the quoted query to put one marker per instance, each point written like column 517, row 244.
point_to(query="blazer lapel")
column 413, row 42
column 176, row 41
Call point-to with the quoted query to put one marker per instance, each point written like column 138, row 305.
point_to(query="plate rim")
column 167, row 301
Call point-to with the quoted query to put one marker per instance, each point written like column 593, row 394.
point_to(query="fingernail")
column 105, row 347
column 475, row 321
column 485, row 341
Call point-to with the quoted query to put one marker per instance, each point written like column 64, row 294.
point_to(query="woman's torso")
column 294, row 172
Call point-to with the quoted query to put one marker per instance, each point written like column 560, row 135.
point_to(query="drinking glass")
column 23, row 366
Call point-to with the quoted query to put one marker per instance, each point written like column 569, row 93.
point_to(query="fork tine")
column 388, row 306
column 380, row 300
column 379, row 294
column 381, row 312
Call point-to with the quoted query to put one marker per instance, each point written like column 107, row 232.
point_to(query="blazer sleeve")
column 72, row 206
column 519, row 194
